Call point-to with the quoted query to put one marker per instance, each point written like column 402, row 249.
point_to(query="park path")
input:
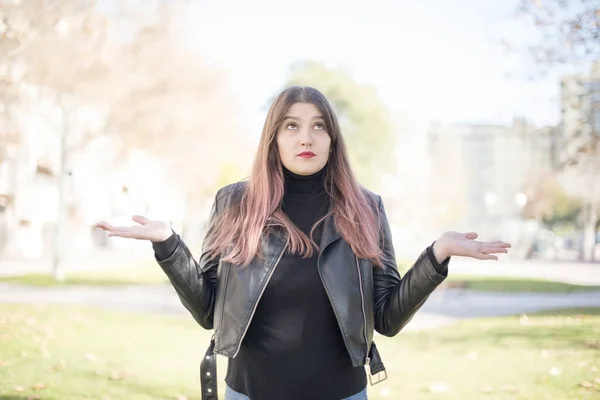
column 445, row 305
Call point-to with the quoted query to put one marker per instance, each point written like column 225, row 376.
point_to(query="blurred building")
column 99, row 185
column 580, row 111
column 480, row 172
column 580, row 150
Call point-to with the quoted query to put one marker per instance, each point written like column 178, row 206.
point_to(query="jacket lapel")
column 330, row 233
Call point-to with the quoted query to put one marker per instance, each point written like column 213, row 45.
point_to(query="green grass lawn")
column 142, row 274
column 68, row 353
column 151, row 273
column 513, row 284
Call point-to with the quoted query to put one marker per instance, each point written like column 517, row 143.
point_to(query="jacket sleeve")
column 397, row 299
column 194, row 282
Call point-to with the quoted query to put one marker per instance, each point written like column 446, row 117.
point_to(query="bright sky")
column 428, row 59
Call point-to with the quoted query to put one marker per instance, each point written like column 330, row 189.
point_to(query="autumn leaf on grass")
column 545, row 353
column 592, row 344
column 508, row 388
column 555, row 371
column 39, row 386
column 116, row 376
column 19, row 389
column 487, row 389
column 57, row 367
column 44, row 352
column 438, row 387
column 4, row 363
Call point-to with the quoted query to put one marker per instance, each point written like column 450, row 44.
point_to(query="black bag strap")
column 208, row 373
column 378, row 372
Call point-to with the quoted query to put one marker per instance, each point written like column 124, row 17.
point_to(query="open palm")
column 465, row 245
column 155, row 231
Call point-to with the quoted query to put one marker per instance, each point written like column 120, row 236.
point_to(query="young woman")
column 298, row 268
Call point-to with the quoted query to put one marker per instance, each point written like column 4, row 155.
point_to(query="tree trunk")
column 59, row 227
column 589, row 232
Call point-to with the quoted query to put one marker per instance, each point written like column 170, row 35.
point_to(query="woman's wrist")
column 440, row 251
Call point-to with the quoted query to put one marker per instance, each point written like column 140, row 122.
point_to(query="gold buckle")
column 379, row 377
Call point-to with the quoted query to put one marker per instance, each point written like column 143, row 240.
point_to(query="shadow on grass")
column 112, row 279
column 513, row 285
column 130, row 386
column 24, row 397
column 568, row 312
column 544, row 330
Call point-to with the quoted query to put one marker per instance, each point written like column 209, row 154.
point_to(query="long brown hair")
column 236, row 234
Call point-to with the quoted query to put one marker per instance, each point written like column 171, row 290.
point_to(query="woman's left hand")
column 464, row 244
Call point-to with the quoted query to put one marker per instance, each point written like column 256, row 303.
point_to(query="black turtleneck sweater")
column 294, row 349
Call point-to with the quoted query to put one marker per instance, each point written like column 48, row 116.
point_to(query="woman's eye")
column 319, row 126
column 291, row 126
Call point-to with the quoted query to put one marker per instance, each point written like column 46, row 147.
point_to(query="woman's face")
column 302, row 140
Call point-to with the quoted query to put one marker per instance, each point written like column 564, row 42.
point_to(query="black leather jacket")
column 364, row 297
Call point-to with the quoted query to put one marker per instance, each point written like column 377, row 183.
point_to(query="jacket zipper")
column 329, row 297
column 237, row 350
column 223, row 297
column 362, row 302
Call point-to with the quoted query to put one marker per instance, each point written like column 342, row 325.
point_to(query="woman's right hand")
column 155, row 231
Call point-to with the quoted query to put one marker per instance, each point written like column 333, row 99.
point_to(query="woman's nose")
column 305, row 137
